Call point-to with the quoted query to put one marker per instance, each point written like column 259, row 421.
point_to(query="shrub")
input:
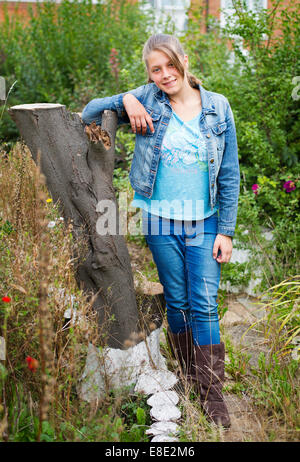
column 72, row 52
column 259, row 82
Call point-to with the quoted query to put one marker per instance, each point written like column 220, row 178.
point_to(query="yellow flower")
column 49, row 200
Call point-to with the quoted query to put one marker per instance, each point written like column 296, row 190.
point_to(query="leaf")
column 19, row 288
column 140, row 416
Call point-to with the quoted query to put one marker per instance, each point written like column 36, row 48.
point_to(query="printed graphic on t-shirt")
column 183, row 146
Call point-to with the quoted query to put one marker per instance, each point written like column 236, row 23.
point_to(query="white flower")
column 51, row 224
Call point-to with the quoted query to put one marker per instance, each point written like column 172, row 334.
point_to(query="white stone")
column 70, row 313
column 229, row 288
column 63, row 297
column 296, row 340
column 244, row 256
column 255, row 307
column 268, row 235
column 230, row 319
column 112, row 368
column 240, row 255
column 296, row 353
column 67, row 299
column 163, row 397
column 164, row 438
column 163, row 427
column 251, row 289
column 74, row 316
column 153, row 381
column 2, row 349
column 166, row 412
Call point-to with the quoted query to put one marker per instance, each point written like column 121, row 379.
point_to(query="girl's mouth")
column 170, row 83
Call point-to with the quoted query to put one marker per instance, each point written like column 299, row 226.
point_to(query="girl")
column 185, row 174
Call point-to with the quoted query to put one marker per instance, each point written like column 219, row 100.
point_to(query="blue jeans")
column 188, row 272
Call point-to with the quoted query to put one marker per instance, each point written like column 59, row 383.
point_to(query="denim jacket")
column 218, row 128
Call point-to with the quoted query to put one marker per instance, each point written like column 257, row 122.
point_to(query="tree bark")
column 79, row 171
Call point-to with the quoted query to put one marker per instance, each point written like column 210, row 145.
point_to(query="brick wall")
column 19, row 8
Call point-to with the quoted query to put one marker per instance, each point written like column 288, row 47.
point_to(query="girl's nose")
column 165, row 72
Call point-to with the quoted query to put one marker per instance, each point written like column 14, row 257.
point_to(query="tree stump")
column 78, row 167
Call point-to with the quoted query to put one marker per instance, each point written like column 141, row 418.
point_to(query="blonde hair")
column 170, row 45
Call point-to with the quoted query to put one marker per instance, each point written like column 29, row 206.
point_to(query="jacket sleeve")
column 229, row 179
column 94, row 109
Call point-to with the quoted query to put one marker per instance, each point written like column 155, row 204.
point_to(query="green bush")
column 259, row 83
column 72, row 52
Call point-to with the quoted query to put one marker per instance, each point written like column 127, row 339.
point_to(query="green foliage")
column 277, row 388
column 6, row 228
column 258, row 77
column 222, row 308
column 237, row 362
column 124, row 421
column 63, row 54
column 237, row 274
column 136, row 418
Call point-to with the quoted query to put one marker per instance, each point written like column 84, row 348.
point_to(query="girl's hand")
column 138, row 116
column 224, row 244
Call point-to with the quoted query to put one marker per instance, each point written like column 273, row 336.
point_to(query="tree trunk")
column 79, row 170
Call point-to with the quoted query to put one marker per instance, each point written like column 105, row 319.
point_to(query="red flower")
column 6, row 299
column 255, row 188
column 32, row 363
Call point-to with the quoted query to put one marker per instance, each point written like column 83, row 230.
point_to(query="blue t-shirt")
column 181, row 188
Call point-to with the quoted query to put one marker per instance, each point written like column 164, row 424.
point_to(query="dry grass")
column 35, row 267
column 37, row 273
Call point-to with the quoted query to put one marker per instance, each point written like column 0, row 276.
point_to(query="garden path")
column 243, row 312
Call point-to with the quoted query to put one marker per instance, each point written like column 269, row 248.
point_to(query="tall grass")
column 36, row 266
column 45, row 348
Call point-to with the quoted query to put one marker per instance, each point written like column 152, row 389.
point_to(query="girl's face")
column 164, row 74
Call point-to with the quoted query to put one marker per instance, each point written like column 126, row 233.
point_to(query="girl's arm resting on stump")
column 94, row 109
column 138, row 116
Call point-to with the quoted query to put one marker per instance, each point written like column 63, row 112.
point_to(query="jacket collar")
column 208, row 105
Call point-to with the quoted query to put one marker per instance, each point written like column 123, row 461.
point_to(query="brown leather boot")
column 182, row 348
column 208, row 370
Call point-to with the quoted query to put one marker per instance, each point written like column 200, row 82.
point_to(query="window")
column 228, row 10
column 172, row 3
column 176, row 9
column 250, row 5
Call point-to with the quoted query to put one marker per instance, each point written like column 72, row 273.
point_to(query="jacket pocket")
column 219, row 132
column 155, row 120
column 219, row 128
